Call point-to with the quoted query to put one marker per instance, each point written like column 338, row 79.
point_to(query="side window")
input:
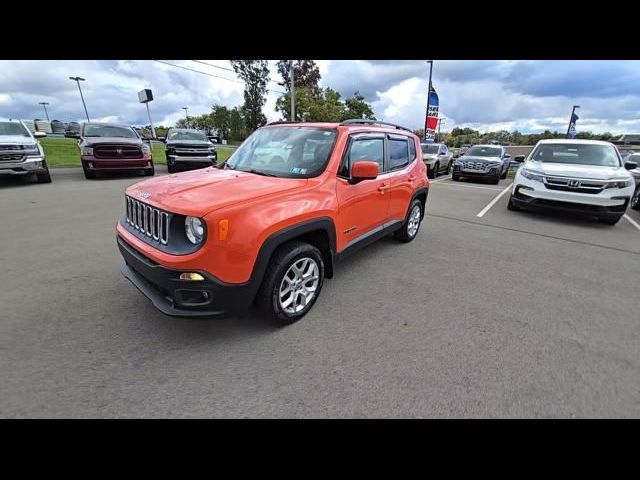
column 367, row 149
column 398, row 153
column 412, row 150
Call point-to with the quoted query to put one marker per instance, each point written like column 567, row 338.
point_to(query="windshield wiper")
column 259, row 172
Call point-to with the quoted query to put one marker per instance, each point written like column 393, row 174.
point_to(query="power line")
column 227, row 69
column 211, row 74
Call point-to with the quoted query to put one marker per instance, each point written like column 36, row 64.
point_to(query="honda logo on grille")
column 574, row 183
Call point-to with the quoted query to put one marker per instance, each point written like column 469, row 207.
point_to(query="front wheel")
column 149, row 172
column 504, row 175
column 431, row 172
column 43, row 177
column 411, row 225
column 455, row 177
column 635, row 200
column 292, row 283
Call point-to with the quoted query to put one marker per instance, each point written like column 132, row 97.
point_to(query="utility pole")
column 186, row 112
column 153, row 130
column 426, row 120
column 44, row 104
column 293, row 92
column 78, row 80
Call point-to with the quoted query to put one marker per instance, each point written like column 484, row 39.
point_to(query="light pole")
column 440, row 122
column 44, row 105
column 573, row 111
column 186, row 113
column 78, row 80
column 426, row 119
column 293, row 93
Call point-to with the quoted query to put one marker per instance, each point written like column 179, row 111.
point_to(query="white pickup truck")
column 20, row 151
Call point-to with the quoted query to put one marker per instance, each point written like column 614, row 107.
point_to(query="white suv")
column 584, row 176
column 20, row 151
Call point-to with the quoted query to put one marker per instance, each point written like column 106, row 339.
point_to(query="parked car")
column 437, row 157
column 489, row 162
column 189, row 149
column 291, row 201
column 72, row 130
column 584, row 176
column 20, row 151
column 109, row 147
column 58, row 127
column 213, row 138
column 635, row 199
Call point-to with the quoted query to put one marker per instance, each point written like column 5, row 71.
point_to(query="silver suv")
column 20, row 151
column 437, row 157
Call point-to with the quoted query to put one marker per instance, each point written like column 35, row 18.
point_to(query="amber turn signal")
column 223, row 229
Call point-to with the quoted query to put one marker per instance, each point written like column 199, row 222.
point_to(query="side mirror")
column 630, row 165
column 507, row 156
column 39, row 134
column 519, row 158
column 364, row 170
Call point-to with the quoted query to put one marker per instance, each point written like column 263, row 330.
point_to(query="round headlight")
column 194, row 228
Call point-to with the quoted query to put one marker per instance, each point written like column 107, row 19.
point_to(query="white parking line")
column 493, row 202
column 632, row 221
column 455, row 184
column 440, row 180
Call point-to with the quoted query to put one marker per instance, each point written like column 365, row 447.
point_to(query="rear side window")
column 412, row 150
column 364, row 149
column 398, row 153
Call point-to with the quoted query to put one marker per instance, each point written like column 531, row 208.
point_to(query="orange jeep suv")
column 270, row 225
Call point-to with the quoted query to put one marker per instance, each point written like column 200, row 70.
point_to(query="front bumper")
column 182, row 298
column 97, row 164
column 191, row 162
column 24, row 167
column 491, row 172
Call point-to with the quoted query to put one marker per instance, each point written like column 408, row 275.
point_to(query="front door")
column 364, row 206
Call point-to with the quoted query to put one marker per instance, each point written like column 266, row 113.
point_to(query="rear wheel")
column 411, row 225
column 292, row 283
column 635, row 200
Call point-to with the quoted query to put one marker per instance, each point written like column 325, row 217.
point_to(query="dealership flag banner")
column 432, row 114
column 572, row 126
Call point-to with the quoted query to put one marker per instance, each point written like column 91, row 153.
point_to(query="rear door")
column 402, row 154
column 364, row 206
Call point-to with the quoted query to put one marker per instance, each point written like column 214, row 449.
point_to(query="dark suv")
column 108, row 147
column 188, row 150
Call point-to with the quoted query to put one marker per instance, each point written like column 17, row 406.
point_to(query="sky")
column 529, row 96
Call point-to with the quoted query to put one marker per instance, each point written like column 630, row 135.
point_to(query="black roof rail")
column 280, row 122
column 361, row 121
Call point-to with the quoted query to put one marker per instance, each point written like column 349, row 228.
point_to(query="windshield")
column 187, row 135
column 13, row 128
column 108, row 131
column 289, row 152
column 483, row 152
column 577, row 154
column 430, row 149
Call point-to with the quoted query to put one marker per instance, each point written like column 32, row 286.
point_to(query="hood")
column 578, row 171
column 16, row 140
column 112, row 140
column 472, row 158
column 199, row 192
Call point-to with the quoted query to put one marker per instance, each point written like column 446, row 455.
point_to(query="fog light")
column 192, row 276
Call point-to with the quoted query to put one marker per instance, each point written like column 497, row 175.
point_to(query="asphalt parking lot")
column 507, row 314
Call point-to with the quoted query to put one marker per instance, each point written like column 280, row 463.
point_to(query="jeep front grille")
column 148, row 220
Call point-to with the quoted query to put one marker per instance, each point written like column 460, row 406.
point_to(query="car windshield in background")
column 289, row 152
column 597, row 155
column 430, row 149
column 13, row 128
column 483, row 152
column 108, row 131
column 187, row 135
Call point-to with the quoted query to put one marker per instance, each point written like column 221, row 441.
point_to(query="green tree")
column 237, row 129
column 255, row 74
column 306, row 75
column 356, row 107
column 221, row 120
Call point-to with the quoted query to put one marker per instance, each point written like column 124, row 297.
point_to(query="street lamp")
column 426, row 120
column 78, row 80
column 44, row 105
column 573, row 111
column 186, row 113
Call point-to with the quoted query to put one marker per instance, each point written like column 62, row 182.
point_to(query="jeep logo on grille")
column 573, row 183
column 144, row 195
column 119, row 151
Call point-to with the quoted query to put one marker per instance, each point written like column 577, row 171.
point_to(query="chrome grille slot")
column 149, row 221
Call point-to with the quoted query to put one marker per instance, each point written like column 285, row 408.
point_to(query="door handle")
column 412, row 178
column 382, row 188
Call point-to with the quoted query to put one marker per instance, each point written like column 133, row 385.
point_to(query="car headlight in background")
column 531, row 175
column 86, row 151
column 620, row 184
column 146, row 149
column 194, row 228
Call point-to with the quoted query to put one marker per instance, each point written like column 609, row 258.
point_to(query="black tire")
column 611, row 221
column 171, row 168
column 449, row 166
column 404, row 234
column 149, row 172
column 43, row 177
column 431, row 172
column 635, row 200
column 512, row 206
column 88, row 174
column 504, row 175
column 283, row 259
column 455, row 177
column 496, row 180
